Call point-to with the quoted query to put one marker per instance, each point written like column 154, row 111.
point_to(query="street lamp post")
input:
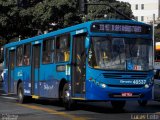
column 153, row 38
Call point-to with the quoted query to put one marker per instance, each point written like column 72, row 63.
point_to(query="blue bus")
column 102, row 60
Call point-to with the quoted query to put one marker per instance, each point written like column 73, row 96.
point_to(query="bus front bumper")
column 95, row 92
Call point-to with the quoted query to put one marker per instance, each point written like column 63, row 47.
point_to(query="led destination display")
column 120, row 28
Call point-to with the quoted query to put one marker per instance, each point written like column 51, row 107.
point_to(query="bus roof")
column 70, row 29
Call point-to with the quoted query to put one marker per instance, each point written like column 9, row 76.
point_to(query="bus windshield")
column 121, row 53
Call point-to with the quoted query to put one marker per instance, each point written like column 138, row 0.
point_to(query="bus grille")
column 125, row 75
column 126, row 86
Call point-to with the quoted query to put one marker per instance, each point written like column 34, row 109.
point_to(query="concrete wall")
column 150, row 7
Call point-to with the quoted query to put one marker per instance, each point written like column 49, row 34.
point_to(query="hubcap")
column 67, row 95
column 20, row 95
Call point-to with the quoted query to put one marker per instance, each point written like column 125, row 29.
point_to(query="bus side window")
column 62, row 48
column 47, row 51
column 6, row 58
column 19, row 56
column 26, row 57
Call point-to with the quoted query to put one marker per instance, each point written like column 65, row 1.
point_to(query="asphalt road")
column 10, row 109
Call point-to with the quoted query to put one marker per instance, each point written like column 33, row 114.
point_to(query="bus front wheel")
column 142, row 102
column 118, row 105
column 68, row 103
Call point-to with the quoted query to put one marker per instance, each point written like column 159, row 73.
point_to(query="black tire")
column 21, row 97
column 118, row 105
column 1, row 79
column 142, row 102
column 68, row 103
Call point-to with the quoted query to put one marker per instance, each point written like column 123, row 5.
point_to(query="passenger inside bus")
column 46, row 59
column 20, row 62
column 26, row 60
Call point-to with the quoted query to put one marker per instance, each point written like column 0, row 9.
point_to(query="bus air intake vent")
column 125, row 76
column 126, row 86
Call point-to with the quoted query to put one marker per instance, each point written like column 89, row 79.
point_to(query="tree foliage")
column 25, row 17
column 106, row 12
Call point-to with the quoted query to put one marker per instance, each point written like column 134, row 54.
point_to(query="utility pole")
column 153, row 38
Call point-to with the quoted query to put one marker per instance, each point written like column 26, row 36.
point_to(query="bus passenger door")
column 78, row 66
column 35, row 69
column 11, row 67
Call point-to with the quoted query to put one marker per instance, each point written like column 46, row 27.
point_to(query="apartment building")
column 143, row 10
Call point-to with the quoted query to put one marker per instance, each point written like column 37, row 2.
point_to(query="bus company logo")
column 125, row 81
column 145, row 117
column 20, row 73
column 48, row 87
column 9, row 117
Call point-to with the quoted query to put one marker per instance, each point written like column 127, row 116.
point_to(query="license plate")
column 126, row 94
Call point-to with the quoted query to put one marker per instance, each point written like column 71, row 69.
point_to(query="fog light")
column 146, row 86
column 103, row 85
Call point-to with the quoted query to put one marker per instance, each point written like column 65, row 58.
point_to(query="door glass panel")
column 78, row 68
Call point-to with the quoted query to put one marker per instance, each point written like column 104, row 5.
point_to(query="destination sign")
column 120, row 28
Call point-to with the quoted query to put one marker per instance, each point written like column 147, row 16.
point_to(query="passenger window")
column 62, row 48
column 27, row 52
column 19, row 55
column 47, row 51
column 6, row 58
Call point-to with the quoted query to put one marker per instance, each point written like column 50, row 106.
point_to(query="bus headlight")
column 103, row 85
column 146, row 86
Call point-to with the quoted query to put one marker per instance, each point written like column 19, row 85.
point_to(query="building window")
column 136, row 18
column 142, row 6
column 142, row 18
column 136, row 7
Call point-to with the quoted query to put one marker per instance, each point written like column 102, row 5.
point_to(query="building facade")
column 144, row 10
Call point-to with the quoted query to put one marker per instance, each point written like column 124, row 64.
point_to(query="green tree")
column 23, row 18
column 105, row 12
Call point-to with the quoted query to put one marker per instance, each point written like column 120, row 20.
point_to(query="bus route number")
column 138, row 82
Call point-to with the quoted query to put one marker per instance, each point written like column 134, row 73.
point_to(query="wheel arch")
column 61, row 85
column 18, row 83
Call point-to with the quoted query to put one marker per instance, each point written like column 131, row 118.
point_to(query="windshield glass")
column 121, row 53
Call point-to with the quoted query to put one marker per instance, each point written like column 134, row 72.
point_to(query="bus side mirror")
column 87, row 43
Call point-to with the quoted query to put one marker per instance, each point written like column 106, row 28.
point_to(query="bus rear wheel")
column 68, row 103
column 21, row 97
column 118, row 105
column 142, row 102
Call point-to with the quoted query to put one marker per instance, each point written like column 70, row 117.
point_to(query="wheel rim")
column 20, row 95
column 66, row 95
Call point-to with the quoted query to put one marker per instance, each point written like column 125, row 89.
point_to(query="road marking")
column 157, row 113
column 12, row 98
column 52, row 111
column 4, row 94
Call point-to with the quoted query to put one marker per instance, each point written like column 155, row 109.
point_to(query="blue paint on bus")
column 100, row 84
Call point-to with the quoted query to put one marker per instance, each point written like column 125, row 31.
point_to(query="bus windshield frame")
column 121, row 53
